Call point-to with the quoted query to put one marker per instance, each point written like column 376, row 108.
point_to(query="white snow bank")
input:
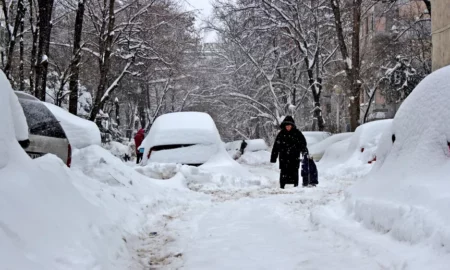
column 256, row 145
column 80, row 132
column 252, row 145
column 45, row 222
column 118, row 149
column 221, row 171
column 222, row 163
column 407, row 195
column 255, row 158
column 159, row 170
column 357, row 150
column 317, row 150
column 313, row 137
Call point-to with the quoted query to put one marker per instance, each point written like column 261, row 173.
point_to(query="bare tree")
column 353, row 64
column 76, row 53
column 12, row 33
column 45, row 29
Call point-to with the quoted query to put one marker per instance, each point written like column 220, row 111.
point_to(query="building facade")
column 441, row 33
column 381, row 23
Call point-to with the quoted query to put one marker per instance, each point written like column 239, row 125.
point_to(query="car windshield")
column 40, row 120
column 171, row 146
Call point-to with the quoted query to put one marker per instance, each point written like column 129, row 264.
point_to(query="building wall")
column 440, row 33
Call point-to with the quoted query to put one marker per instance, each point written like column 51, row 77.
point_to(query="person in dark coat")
column 138, row 141
column 309, row 172
column 243, row 146
column 288, row 146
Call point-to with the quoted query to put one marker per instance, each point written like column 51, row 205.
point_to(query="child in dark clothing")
column 309, row 172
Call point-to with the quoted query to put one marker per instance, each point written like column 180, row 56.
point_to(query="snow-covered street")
column 269, row 228
column 236, row 160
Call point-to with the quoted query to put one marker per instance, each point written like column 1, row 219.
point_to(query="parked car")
column 45, row 132
column 189, row 138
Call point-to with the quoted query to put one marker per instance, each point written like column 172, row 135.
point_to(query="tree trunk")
column 34, row 33
column 21, row 55
column 352, row 66
column 105, row 42
column 117, row 112
column 317, row 113
column 45, row 29
column 12, row 36
column 355, row 78
column 75, row 70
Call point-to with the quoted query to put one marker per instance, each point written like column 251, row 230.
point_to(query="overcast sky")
column 204, row 10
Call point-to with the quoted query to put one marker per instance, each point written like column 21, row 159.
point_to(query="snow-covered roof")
column 80, row 132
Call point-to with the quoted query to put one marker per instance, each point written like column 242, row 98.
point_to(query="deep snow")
column 104, row 214
column 407, row 194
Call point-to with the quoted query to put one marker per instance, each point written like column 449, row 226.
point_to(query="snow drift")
column 45, row 222
column 407, row 195
column 80, row 132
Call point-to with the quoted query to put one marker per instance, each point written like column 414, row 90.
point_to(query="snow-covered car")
column 318, row 149
column 45, row 132
column 189, row 138
column 313, row 137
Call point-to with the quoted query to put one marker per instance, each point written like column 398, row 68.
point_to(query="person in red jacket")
column 138, row 141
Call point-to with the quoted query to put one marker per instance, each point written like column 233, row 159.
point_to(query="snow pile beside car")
column 255, row 152
column 80, row 132
column 119, row 149
column 45, row 222
column 255, row 158
column 407, row 195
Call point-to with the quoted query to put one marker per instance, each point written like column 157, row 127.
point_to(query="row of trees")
column 84, row 54
column 130, row 61
column 283, row 57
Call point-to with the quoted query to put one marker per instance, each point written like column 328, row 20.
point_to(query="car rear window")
column 40, row 120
